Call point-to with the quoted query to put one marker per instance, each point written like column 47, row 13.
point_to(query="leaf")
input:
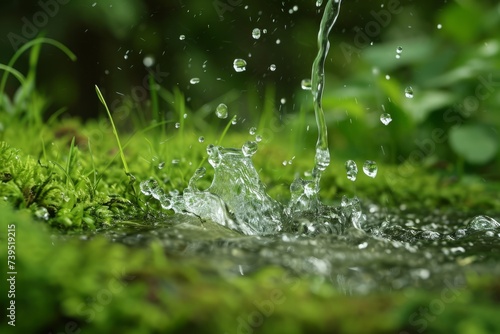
column 473, row 143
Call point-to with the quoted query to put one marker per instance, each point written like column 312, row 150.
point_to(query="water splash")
column 236, row 198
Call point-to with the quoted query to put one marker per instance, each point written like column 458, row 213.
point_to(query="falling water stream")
column 236, row 227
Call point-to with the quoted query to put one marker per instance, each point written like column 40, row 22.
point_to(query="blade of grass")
column 22, row 49
column 14, row 72
column 101, row 98
column 69, row 163
column 154, row 100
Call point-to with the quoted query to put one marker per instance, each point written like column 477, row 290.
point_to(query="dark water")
column 394, row 250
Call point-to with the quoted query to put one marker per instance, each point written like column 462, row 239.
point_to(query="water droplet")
column 177, row 125
column 352, row 170
column 258, row 138
column 194, row 81
column 148, row 187
column 253, row 130
column 214, row 157
column 387, row 77
column 439, row 26
column 239, row 65
column 283, row 101
column 182, row 37
column 256, row 33
column 175, row 161
column 42, row 213
column 305, row 84
column 385, row 118
column 234, row 121
column 148, row 61
column 221, row 111
column 278, row 41
column 409, row 92
column 481, row 223
column 249, row 148
column 201, row 139
column 272, row 67
column 399, row 50
column 370, row 168
column 161, row 165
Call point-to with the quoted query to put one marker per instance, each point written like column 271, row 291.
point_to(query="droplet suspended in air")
column 385, row 118
column 409, row 92
column 305, row 84
column 148, row 61
column 221, row 111
column 256, row 33
column 194, row 81
column 351, row 169
column 370, row 168
column 249, row 148
column 182, row 37
column 272, row 67
column 239, row 65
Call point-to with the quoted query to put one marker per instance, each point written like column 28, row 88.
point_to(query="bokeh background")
column 450, row 57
